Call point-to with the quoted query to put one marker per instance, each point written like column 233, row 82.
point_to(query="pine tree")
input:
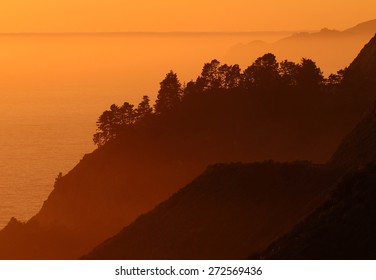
column 169, row 94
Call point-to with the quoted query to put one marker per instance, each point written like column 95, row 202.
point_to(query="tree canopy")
column 169, row 94
column 265, row 76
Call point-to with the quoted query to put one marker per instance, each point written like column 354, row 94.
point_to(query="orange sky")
column 180, row 15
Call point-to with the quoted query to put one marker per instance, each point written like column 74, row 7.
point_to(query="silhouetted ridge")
column 360, row 77
column 228, row 211
column 342, row 228
column 32, row 240
column 272, row 109
column 12, row 224
column 359, row 148
column 367, row 27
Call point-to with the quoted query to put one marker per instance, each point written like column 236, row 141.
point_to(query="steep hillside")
column 129, row 176
column 225, row 213
column 359, row 148
column 184, row 230
column 342, row 228
column 105, row 191
column 360, row 76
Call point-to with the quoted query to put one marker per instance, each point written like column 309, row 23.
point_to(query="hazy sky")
column 181, row 15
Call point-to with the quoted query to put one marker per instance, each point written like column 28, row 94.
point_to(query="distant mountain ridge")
column 367, row 27
column 321, row 46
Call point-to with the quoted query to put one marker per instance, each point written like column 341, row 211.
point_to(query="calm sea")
column 54, row 86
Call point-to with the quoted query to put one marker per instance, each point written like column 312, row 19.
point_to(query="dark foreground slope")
column 360, row 75
column 359, row 148
column 342, row 228
column 225, row 213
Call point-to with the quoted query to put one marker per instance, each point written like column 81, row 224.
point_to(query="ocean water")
column 53, row 87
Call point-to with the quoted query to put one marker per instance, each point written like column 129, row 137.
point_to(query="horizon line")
column 90, row 33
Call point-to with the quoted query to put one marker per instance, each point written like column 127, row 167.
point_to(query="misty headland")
column 227, row 114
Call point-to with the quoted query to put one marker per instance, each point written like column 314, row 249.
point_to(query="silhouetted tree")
column 110, row 123
column 169, row 94
column 127, row 114
column 230, row 76
column 216, row 76
column 58, row 179
column 288, row 71
column 210, row 77
column 309, row 76
column 106, row 126
column 333, row 83
column 191, row 89
column 144, row 109
column 201, row 103
column 263, row 73
column 335, row 79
